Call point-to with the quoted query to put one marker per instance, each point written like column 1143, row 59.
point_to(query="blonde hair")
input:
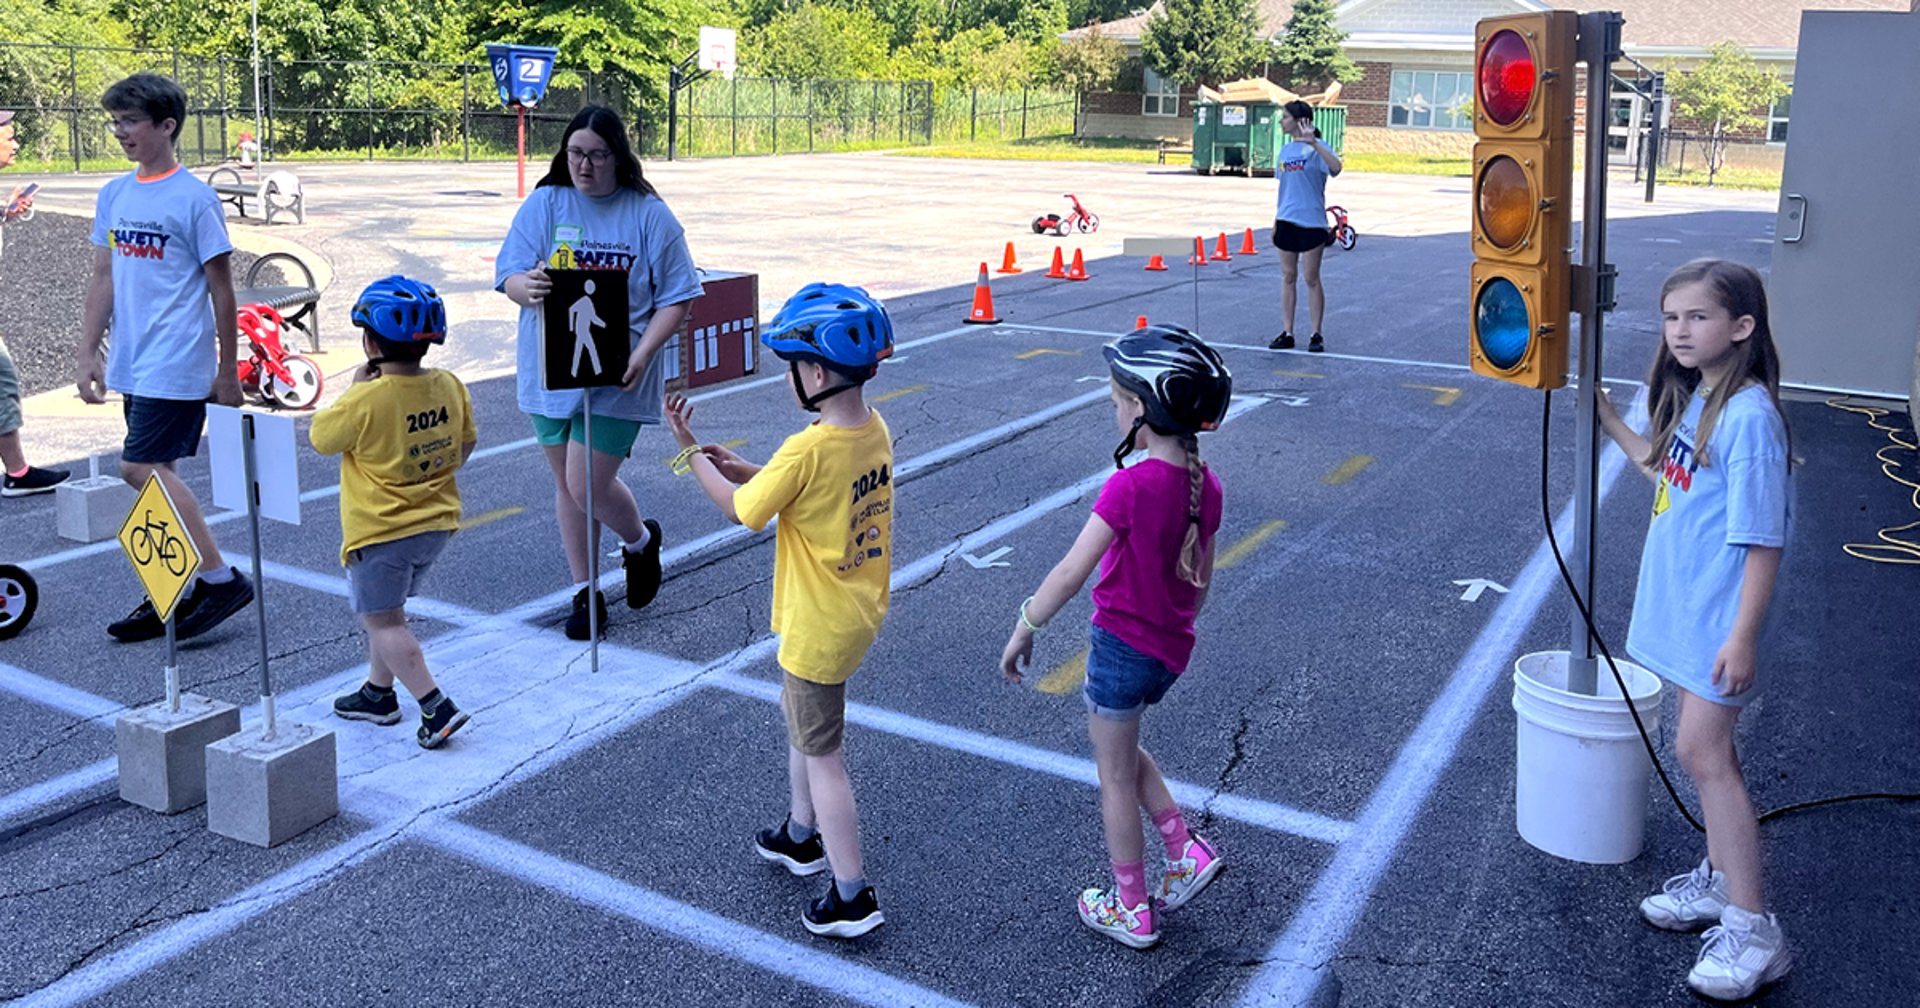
column 1190, row 567
column 1737, row 288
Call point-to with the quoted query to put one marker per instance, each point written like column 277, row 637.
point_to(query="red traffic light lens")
column 1504, row 202
column 1507, row 77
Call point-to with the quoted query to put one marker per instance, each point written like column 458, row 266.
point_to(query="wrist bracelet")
column 682, row 463
column 1029, row 624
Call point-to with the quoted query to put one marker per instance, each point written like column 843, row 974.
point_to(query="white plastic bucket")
column 1580, row 788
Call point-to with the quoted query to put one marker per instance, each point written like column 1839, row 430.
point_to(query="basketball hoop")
column 717, row 50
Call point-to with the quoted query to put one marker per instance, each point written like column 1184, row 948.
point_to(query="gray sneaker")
column 1687, row 902
column 1741, row 954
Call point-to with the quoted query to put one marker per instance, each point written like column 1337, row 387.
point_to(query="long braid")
column 1189, row 568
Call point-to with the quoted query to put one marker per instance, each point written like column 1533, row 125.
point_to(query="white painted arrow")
column 1091, row 377
column 1475, row 586
column 993, row 559
column 1286, row 399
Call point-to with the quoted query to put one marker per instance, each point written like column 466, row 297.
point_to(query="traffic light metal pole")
column 1593, row 284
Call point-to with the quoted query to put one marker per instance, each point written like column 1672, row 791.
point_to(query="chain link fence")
column 324, row 109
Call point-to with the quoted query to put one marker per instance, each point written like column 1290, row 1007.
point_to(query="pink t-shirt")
column 1140, row 597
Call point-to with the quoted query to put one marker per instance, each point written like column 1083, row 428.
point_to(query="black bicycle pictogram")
column 151, row 539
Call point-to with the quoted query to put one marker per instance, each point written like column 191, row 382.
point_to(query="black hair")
column 156, row 96
column 1300, row 110
column 606, row 124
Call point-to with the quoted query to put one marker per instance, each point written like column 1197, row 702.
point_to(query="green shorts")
column 610, row 436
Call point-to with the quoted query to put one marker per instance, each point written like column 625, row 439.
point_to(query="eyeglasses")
column 599, row 157
column 122, row 124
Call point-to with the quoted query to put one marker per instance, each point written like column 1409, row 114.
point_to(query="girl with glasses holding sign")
column 594, row 210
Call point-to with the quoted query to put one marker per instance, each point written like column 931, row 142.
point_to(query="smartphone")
column 25, row 191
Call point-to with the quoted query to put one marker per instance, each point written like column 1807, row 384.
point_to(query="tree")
column 1727, row 90
column 1311, row 49
column 819, row 42
column 637, row 40
column 1091, row 61
column 1203, row 41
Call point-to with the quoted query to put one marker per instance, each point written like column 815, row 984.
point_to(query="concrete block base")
column 268, row 792
column 92, row 509
column 163, row 753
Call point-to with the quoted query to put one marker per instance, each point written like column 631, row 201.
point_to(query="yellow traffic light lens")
column 1507, row 77
column 1505, row 202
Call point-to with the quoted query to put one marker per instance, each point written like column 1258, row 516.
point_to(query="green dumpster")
column 1232, row 146
column 1206, row 118
column 1331, row 120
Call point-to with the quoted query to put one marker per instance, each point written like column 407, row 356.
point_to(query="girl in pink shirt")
column 1151, row 532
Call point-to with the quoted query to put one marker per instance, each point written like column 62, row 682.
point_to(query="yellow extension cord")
column 1890, row 549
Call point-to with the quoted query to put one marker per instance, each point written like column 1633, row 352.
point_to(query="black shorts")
column 1294, row 238
column 162, row 430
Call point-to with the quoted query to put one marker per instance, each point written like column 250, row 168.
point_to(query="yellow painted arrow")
column 1446, row 397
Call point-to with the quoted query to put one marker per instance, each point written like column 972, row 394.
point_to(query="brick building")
column 1417, row 62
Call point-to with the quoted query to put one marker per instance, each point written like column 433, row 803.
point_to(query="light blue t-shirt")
column 1704, row 518
column 161, row 233
column 1303, row 178
column 622, row 230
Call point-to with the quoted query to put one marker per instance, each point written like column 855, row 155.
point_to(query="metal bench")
column 279, row 192
column 297, row 302
column 1173, row 147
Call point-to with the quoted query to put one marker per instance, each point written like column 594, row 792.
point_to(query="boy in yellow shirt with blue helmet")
column 831, row 485
column 401, row 431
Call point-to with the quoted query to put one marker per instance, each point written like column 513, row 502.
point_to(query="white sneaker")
column 1687, row 902
column 1741, row 954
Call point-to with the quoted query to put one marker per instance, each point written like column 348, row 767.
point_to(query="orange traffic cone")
column 1079, row 270
column 1220, row 253
column 1139, row 321
column 1199, row 257
column 1057, row 271
column 1246, row 244
column 1007, row 266
column 1155, row 264
column 982, row 313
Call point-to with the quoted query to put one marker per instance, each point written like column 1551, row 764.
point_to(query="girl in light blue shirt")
column 1718, row 453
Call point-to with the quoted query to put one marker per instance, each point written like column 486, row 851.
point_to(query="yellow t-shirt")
column 399, row 438
column 833, row 549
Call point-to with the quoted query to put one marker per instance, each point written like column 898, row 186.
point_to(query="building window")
column 1431, row 99
column 1777, row 119
column 1160, row 96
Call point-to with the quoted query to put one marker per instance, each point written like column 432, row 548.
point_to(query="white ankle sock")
column 646, row 534
column 220, row 576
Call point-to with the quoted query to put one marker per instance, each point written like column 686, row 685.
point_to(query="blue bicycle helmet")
column 843, row 327
column 398, row 311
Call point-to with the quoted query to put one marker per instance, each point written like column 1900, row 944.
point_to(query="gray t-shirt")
column 1704, row 518
column 1303, row 175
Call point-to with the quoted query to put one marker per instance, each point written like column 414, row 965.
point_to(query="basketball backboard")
column 717, row 50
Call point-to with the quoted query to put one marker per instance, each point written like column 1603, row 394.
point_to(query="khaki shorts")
column 816, row 714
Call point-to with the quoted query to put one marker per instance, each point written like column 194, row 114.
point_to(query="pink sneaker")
column 1189, row 873
column 1100, row 909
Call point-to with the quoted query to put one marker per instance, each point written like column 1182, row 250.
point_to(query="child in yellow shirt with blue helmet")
column 401, row 432
column 831, row 485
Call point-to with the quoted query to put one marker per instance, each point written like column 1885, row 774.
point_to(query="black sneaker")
column 381, row 708
column 1315, row 345
column 1284, row 341
column 437, row 725
column 142, row 624
column 829, row 917
column 643, row 568
column 577, row 628
column 804, row 857
column 213, row 603
column 34, row 481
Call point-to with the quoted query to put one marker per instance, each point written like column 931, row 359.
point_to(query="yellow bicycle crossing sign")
column 163, row 554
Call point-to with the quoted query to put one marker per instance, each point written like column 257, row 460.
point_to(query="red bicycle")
column 1343, row 233
column 1078, row 219
column 270, row 373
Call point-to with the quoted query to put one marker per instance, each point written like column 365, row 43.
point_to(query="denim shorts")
column 1121, row 681
column 161, row 430
column 381, row 577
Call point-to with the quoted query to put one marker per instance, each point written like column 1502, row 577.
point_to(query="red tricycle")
column 1078, row 219
column 19, row 596
column 270, row 373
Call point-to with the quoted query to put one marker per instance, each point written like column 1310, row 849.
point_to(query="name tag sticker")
column 566, row 234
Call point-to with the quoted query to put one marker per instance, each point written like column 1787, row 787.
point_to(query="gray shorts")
column 381, row 577
column 9, row 391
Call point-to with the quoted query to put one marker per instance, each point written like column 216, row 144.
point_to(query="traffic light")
column 1522, row 196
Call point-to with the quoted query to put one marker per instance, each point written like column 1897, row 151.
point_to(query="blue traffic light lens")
column 1501, row 324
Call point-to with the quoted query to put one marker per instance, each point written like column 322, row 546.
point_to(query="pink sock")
column 1132, row 880
column 22, row 472
column 1173, row 830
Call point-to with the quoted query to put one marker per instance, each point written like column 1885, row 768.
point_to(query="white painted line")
column 1267, row 815
column 840, row 976
column 27, row 800
column 59, row 696
column 1298, row 961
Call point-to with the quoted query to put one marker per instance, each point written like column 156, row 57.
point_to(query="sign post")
column 586, row 340
column 520, row 76
column 242, row 481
